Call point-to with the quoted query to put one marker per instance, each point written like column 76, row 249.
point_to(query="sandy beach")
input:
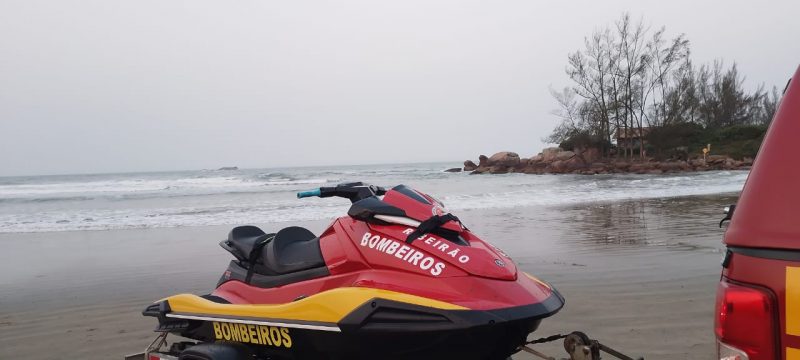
column 604, row 141
column 639, row 275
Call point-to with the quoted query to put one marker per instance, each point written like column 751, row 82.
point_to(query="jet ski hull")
column 378, row 328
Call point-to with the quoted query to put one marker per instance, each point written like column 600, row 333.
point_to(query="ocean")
column 218, row 197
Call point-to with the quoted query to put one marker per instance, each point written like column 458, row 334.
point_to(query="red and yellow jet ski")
column 397, row 278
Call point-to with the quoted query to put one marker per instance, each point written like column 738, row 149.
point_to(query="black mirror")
column 728, row 214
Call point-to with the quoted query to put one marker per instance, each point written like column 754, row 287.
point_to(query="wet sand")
column 638, row 275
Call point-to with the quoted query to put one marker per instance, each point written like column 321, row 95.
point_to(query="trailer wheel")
column 216, row 351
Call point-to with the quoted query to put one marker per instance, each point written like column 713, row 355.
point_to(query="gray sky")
column 106, row 86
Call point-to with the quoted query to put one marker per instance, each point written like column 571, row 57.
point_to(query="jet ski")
column 398, row 277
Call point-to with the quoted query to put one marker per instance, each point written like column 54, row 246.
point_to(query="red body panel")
column 470, row 292
column 477, row 259
column 766, row 216
column 766, row 213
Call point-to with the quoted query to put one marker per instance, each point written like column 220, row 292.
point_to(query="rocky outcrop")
column 453, row 170
column 549, row 154
column 716, row 159
column 469, row 165
column 621, row 166
column 499, row 163
column 504, row 158
column 590, row 155
column 565, row 155
column 640, row 168
column 575, row 163
column 483, row 161
column 590, row 162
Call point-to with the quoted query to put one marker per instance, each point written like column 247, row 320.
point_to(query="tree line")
column 632, row 79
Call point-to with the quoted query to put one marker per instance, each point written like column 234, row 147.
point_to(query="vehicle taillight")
column 744, row 323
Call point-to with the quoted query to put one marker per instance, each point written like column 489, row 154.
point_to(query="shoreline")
column 326, row 221
column 651, row 265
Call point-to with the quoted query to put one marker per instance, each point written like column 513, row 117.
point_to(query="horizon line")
column 125, row 172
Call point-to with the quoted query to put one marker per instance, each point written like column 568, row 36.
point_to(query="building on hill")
column 632, row 137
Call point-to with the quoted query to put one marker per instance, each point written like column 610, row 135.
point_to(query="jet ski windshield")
column 400, row 205
column 420, row 206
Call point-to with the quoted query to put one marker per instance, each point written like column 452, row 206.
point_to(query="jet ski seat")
column 291, row 250
column 242, row 240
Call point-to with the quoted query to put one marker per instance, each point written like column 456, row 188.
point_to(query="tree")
column 681, row 101
column 768, row 107
column 590, row 71
column 723, row 100
column 629, row 78
column 619, row 72
column 576, row 128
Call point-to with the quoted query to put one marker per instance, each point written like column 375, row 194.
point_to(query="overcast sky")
column 109, row 86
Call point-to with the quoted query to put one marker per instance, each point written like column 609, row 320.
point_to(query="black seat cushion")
column 293, row 249
column 243, row 238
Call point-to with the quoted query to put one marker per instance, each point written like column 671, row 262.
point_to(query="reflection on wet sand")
column 639, row 275
column 690, row 221
column 575, row 231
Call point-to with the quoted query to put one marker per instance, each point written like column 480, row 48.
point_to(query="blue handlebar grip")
column 309, row 193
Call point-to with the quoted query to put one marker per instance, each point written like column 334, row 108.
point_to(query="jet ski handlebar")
column 309, row 193
column 354, row 191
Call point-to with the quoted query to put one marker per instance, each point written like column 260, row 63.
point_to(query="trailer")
column 577, row 345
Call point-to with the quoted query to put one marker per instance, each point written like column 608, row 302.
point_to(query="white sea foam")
column 143, row 187
column 100, row 202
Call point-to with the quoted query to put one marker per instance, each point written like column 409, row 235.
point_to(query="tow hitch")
column 578, row 347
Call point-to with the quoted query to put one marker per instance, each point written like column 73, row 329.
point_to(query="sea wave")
column 54, row 221
column 121, row 189
column 258, row 196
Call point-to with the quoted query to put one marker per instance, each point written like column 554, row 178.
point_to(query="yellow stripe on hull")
column 534, row 278
column 328, row 306
column 793, row 301
column 792, row 354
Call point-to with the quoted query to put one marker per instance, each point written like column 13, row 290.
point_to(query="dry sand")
column 637, row 275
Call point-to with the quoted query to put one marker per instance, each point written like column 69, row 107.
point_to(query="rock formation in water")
column 555, row 160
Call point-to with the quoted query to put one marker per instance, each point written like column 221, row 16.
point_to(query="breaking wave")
column 197, row 198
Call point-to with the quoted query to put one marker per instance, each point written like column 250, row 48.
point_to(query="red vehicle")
column 758, row 298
